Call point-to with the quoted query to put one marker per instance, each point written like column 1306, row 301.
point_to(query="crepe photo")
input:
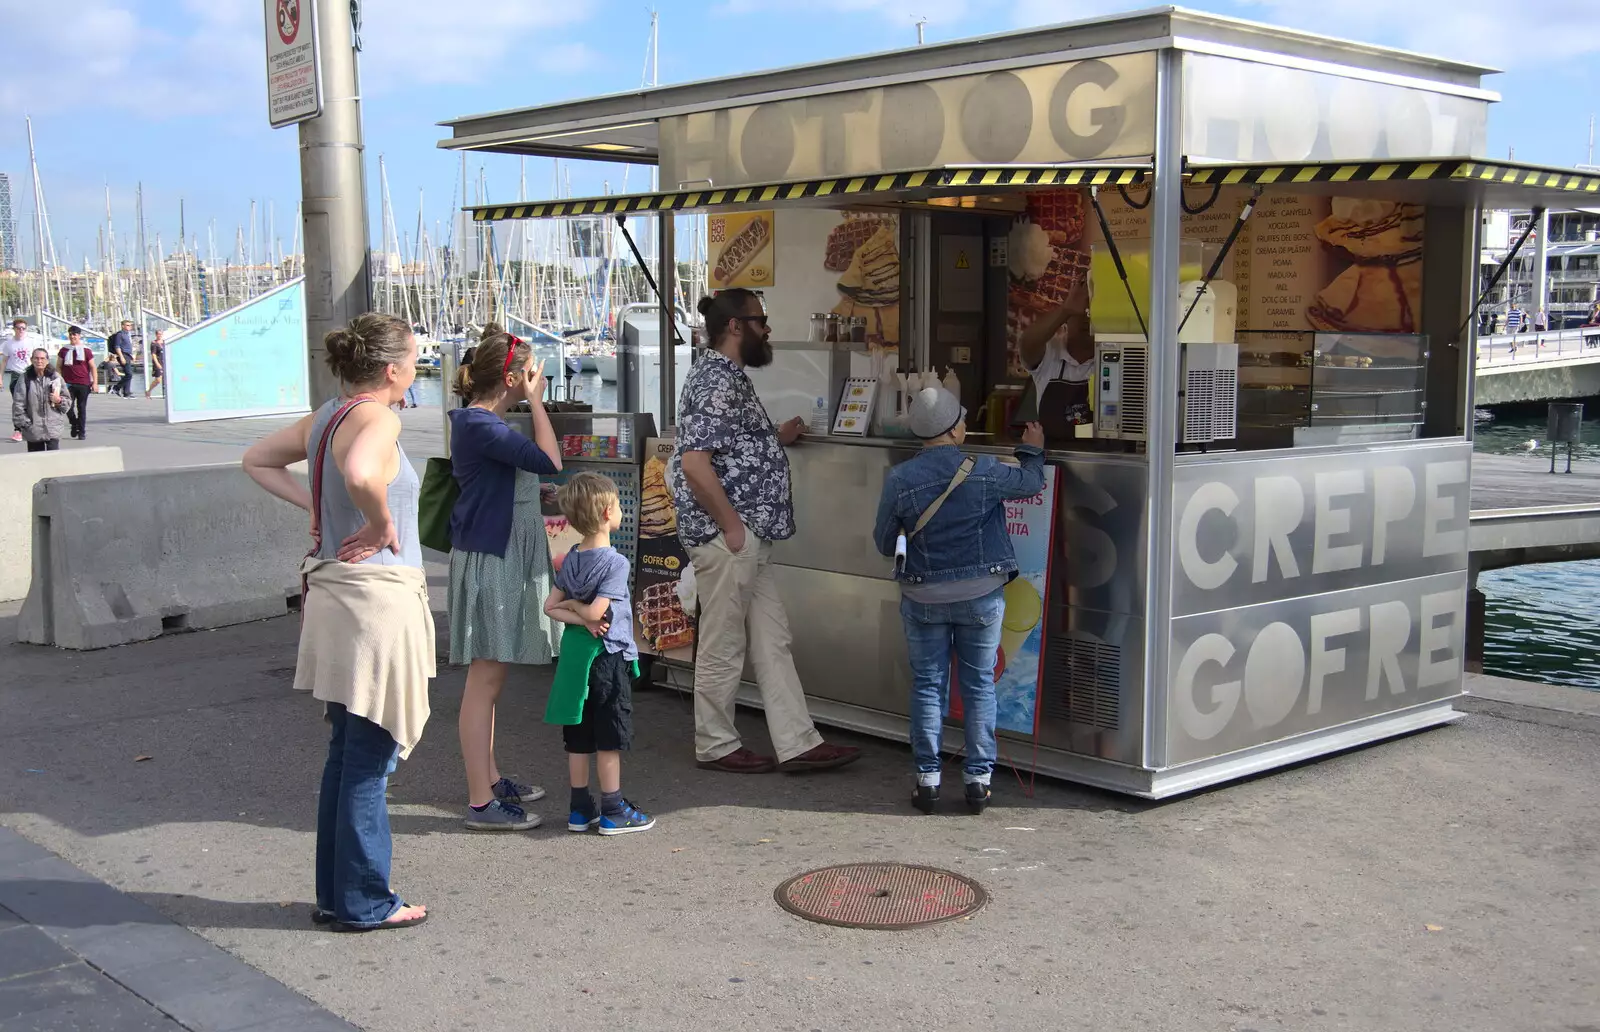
column 1376, row 246
column 864, row 249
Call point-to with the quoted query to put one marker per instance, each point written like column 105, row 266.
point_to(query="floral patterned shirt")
column 720, row 413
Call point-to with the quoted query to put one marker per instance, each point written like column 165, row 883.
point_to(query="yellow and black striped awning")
column 927, row 181
column 1575, row 182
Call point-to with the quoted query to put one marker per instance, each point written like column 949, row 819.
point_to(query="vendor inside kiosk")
column 1231, row 268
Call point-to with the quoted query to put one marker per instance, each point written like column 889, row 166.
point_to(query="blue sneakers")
column 580, row 821
column 630, row 819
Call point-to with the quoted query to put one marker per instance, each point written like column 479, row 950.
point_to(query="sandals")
column 323, row 917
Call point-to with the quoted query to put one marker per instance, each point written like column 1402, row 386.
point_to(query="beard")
column 754, row 350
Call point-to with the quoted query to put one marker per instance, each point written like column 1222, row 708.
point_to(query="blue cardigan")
column 485, row 454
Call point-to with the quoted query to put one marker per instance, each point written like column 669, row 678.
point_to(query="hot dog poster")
column 741, row 251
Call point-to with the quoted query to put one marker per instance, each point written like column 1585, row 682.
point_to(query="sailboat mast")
column 38, row 228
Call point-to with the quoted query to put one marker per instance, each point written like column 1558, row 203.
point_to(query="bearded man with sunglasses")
column 730, row 482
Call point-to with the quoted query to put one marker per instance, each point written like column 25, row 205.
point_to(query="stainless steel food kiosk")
column 1258, row 543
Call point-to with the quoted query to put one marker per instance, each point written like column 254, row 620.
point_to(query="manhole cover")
column 883, row 896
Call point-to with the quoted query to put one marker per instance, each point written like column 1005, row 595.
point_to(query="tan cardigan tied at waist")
column 367, row 643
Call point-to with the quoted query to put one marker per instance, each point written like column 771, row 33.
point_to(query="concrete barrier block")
column 18, row 473
column 124, row 557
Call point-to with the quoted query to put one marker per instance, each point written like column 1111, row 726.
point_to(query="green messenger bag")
column 435, row 502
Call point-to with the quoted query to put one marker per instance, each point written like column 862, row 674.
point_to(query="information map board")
column 248, row 361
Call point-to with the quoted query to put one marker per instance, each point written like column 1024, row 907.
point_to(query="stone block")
column 18, row 473
column 125, row 557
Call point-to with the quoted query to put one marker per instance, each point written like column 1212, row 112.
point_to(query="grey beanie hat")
column 934, row 413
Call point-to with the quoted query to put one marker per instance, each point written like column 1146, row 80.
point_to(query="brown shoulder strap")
column 932, row 510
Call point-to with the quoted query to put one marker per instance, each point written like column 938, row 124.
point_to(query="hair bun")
column 705, row 304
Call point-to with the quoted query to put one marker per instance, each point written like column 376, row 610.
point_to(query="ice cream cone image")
column 1024, row 607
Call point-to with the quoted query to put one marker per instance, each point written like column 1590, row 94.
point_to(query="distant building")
column 1572, row 263
column 8, row 226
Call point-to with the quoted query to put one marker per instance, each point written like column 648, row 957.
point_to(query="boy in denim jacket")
column 952, row 579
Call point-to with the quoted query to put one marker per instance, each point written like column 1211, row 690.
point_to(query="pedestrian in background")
column 158, row 367
column 77, row 366
column 121, row 348
column 499, row 562
column 39, row 404
column 366, row 630
column 18, row 350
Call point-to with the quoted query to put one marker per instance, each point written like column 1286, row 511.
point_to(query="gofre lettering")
column 1357, row 645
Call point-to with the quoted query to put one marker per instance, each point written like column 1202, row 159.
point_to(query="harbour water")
column 1542, row 623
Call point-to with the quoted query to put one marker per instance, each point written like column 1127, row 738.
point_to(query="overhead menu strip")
column 929, row 179
column 1574, row 181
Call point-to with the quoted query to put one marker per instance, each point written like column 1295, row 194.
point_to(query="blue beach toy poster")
column 1031, row 526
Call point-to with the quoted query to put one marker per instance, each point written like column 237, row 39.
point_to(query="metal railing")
column 1504, row 352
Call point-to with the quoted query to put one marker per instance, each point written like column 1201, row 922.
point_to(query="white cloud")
column 157, row 59
column 461, row 42
column 942, row 15
column 1503, row 33
column 107, row 56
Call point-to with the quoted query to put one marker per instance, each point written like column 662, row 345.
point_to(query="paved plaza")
column 1443, row 881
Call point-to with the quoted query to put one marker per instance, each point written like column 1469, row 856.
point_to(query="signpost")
column 294, row 75
column 312, row 53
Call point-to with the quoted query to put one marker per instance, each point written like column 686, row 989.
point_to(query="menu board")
column 1303, row 262
column 661, row 625
column 1030, row 523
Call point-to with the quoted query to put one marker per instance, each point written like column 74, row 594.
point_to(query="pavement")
column 1441, row 881
column 139, row 427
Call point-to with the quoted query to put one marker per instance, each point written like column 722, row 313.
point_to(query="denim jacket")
column 967, row 538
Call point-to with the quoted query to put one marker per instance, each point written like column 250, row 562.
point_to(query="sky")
column 171, row 94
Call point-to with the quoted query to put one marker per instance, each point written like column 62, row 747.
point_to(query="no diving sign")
column 294, row 75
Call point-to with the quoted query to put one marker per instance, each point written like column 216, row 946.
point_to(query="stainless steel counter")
column 844, row 606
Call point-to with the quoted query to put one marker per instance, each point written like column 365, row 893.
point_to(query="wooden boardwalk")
column 1524, row 481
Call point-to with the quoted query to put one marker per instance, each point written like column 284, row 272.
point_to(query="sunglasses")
column 759, row 320
column 511, row 354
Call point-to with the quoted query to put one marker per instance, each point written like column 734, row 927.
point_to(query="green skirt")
column 497, row 602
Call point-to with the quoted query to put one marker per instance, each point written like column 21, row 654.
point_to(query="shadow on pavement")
column 205, row 728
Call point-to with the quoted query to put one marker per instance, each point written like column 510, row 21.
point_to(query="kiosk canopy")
column 922, row 184
column 1463, row 181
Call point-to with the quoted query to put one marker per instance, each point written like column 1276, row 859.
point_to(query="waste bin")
column 1564, row 424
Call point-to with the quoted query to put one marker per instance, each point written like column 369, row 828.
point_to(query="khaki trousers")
column 740, row 613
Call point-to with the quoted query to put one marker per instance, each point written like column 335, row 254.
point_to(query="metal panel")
column 1256, row 530
column 836, row 490
column 1101, row 536
column 1245, row 677
column 1093, row 110
column 1242, row 110
column 1091, row 698
column 848, row 645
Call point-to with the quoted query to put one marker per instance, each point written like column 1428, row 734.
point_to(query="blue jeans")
column 353, row 843
column 972, row 631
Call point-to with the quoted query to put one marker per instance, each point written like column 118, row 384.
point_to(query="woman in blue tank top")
column 366, row 639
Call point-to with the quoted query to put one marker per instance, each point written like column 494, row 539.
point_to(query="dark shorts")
column 607, row 724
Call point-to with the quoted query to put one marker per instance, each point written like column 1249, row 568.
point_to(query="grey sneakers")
column 501, row 816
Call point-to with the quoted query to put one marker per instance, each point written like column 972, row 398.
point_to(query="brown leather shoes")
column 741, row 761
column 823, row 757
